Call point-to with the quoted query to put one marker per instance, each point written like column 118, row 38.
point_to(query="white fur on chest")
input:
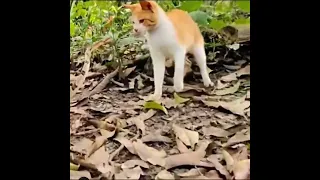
column 164, row 38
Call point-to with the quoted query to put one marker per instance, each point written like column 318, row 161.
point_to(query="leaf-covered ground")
column 201, row 133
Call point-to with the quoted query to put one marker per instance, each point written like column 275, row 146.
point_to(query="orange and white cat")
column 169, row 35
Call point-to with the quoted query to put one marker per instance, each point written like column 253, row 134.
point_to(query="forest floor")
column 200, row 133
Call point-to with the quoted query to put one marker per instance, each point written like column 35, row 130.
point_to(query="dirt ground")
column 201, row 133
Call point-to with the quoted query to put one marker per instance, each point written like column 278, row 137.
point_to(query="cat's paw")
column 208, row 83
column 178, row 87
column 153, row 97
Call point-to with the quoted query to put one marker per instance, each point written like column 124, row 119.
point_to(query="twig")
column 114, row 153
column 117, row 83
column 104, row 82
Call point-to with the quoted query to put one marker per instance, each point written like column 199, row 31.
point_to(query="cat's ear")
column 145, row 5
column 129, row 6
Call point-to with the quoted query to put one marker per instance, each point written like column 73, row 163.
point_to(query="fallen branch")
column 103, row 83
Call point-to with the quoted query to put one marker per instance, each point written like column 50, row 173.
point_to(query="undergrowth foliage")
column 91, row 21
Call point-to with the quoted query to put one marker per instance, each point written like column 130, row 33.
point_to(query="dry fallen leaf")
column 149, row 154
column 242, row 154
column 126, row 142
column 213, row 174
column 79, row 174
column 82, row 146
column 192, row 172
column 219, row 166
column 229, row 90
column 237, row 106
column 99, row 156
column 229, row 160
column 134, row 162
column 220, row 85
column 164, row 175
column 139, row 120
column 181, row 147
column 241, row 169
column 188, row 137
column 128, row 71
column 214, row 131
column 243, row 71
column 155, row 137
column 190, row 158
column 133, row 173
column 239, row 137
column 100, row 140
column 229, row 77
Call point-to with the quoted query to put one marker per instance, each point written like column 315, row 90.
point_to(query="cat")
column 170, row 34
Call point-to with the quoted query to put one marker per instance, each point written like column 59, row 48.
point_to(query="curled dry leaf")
column 79, row 174
column 241, row 169
column 193, row 172
column 155, row 137
column 134, row 162
column 126, row 142
column 229, row 90
column 188, row 137
column 214, row 131
column 139, row 120
column 100, row 140
column 164, row 175
column 190, row 158
column 219, row 166
column 149, row 154
column 229, row 160
column 239, row 137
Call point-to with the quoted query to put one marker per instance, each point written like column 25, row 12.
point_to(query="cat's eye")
column 141, row 20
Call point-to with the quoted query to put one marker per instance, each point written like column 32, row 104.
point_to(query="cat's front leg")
column 179, row 60
column 158, row 62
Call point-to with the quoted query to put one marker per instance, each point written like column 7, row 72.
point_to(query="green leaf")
column 243, row 21
column 72, row 29
column 180, row 100
column 74, row 167
column 200, row 17
column 190, row 5
column 155, row 105
column 222, row 6
column 217, row 24
column 244, row 5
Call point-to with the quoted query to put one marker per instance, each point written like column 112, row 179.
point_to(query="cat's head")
column 144, row 16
